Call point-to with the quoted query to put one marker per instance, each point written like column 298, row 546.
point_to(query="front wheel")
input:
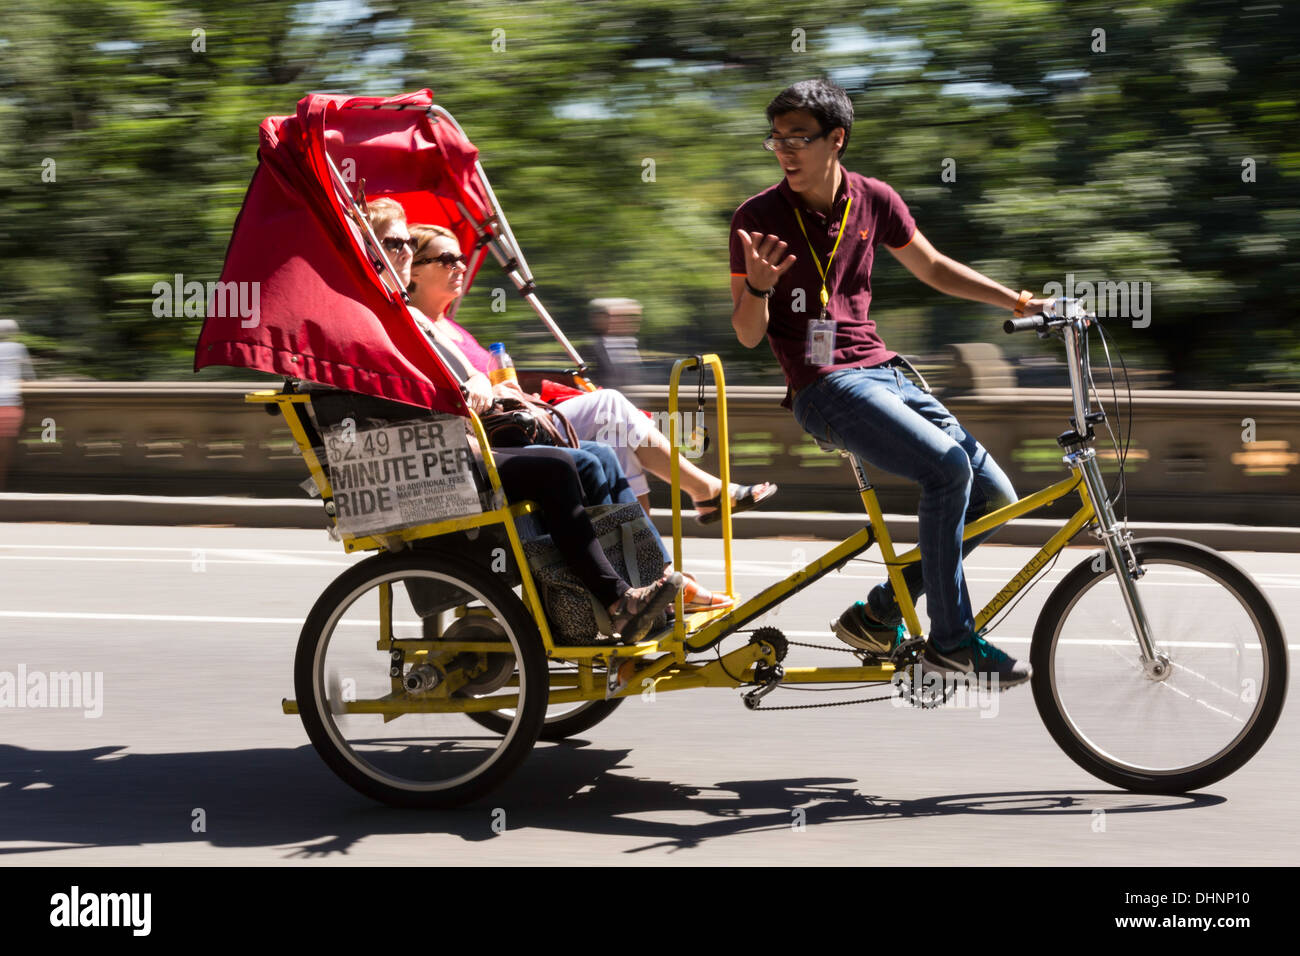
column 1207, row 706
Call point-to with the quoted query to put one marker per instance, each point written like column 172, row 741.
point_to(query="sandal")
column 743, row 498
column 635, row 613
column 699, row 598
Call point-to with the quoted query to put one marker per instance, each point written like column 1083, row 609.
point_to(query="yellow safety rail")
column 724, row 472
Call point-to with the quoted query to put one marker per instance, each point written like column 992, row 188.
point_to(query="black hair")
column 829, row 103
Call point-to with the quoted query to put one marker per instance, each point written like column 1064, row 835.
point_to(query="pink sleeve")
column 476, row 353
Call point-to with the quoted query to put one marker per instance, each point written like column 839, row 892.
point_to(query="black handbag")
column 515, row 422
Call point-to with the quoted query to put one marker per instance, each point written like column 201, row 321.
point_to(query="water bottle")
column 500, row 368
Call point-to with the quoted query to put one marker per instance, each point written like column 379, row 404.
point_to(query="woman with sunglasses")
column 437, row 275
column 437, row 280
column 603, row 481
column 547, row 476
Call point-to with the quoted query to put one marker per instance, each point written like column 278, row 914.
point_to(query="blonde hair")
column 383, row 212
column 424, row 233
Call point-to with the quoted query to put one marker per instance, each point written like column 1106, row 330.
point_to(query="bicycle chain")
column 824, row 647
column 843, row 703
column 834, row 703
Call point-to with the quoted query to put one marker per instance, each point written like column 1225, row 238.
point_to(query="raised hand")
column 763, row 262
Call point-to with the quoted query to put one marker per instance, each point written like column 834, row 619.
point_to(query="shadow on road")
column 288, row 798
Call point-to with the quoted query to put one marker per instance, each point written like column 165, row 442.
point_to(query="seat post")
column 876, row 520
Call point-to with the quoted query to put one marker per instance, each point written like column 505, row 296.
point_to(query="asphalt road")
column 191, row 761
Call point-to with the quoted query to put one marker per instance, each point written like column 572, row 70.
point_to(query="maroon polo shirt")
column 877, row 215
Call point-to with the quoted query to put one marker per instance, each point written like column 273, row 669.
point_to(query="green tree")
column 620, row 138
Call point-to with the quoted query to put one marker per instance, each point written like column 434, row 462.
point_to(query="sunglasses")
column 444, row 259
column 395, row 245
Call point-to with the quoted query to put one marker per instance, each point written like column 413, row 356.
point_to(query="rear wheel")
column 1205, row 707
column 390, row 721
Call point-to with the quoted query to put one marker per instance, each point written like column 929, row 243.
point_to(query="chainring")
column 772, row 636
column 923, row 697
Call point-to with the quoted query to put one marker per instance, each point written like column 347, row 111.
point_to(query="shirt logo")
column 863, row 235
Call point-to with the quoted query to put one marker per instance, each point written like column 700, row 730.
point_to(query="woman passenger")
column 547, row 476
column 434, row 285
column 437, row 273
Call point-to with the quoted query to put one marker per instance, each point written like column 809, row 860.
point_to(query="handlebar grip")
column 1023, row 325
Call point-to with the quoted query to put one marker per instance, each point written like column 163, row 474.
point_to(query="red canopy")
column 324, row 313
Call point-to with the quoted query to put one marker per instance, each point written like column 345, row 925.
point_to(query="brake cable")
column 700, row 431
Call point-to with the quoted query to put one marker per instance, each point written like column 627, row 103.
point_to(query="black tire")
column 1210, row 618
column 560, row 726
column 372, row 765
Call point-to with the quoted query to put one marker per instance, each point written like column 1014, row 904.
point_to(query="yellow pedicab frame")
column 662, row 659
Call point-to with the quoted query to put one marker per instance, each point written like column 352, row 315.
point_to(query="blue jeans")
column 602, row 478
column 889, row 423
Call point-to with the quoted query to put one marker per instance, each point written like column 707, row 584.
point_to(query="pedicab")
column 425, row 673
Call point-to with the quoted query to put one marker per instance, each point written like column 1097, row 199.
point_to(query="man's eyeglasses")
column 395, row 245
column 773, row 143
column 444, row 259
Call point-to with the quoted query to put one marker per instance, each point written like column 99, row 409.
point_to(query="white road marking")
column 199, row 554
column 351, row 622
column 743, row 571
column 141, row 547
column 161, row 618
column 1007, row 639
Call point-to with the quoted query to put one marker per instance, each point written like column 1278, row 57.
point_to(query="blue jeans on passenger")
column 889, row 423
column 603, row 480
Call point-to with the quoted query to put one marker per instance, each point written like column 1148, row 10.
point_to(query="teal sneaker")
column 856, row 629
column 977, row 657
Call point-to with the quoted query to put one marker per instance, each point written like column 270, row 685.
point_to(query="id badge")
column 821, row 342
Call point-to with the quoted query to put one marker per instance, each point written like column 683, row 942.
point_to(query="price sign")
column 398, row 476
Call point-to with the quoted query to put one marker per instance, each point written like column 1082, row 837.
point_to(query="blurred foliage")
column 1119, row 165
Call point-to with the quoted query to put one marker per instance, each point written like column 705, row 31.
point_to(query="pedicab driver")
column 801, row 258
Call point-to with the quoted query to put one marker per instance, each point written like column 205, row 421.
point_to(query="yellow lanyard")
column 817, row 262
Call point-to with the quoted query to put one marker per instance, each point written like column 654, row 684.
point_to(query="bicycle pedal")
column 908, row 652
column 771, row 678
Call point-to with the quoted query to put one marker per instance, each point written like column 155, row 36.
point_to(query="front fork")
column 1119, row 549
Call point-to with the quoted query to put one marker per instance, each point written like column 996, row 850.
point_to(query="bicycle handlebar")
column 1076, row 354
column 1062, row 312
column 1037, row 322
column 1023, row 325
